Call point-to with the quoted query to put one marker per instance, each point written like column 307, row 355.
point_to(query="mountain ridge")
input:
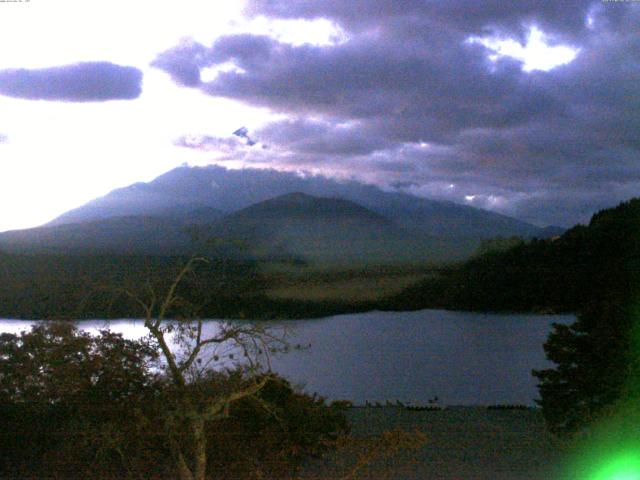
column 301, row 204
column 229, row 190
column 290, row 227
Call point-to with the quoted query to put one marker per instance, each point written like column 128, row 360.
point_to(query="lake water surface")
column 463, row 358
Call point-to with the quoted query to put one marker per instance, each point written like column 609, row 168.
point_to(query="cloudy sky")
column 529, row 107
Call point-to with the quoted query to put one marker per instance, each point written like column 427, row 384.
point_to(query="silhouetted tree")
column 598, row 357
column 596, row 364
column 196, row 400
column 63, row 394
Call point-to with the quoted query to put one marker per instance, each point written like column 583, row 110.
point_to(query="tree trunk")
column 199, row 449
column 183, row 469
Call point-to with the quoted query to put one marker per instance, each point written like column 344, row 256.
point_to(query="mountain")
column 164, row 235
column 112, row 235
column 291, row 227
column 326, row 230
column 298, row 206
column 186, row 188
column 278, row 215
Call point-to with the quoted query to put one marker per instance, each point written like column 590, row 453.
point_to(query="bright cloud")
column 536, row 54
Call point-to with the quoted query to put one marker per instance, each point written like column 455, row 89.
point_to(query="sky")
column 529, row 108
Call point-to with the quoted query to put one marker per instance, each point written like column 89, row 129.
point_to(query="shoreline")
column 461, row 443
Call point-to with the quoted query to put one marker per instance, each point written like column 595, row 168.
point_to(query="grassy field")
column 335, row 284
column 462, row 443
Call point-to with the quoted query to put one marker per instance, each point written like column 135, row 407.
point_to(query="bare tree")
column 191, row 352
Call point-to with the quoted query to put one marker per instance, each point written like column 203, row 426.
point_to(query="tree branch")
column 213, row 410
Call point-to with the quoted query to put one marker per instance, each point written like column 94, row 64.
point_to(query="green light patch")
column 624, row 466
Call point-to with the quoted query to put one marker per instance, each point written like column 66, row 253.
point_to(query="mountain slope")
column 291, row 227
column 303, row 207
column 186, row 188
column 125, row 235
column 135, row 234
column 326, row 230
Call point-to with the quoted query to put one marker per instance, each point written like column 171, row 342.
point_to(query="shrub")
column 74, row 405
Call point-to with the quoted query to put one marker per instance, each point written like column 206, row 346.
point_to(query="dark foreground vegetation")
column 77, row 406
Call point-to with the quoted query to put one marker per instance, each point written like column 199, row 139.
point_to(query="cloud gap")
column 537, row 53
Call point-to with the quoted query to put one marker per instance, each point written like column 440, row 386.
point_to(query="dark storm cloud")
column 407, row 95
column 184, row 62
column 427, row 93
column 471, row 16
column 316, row 137
column 81, row 82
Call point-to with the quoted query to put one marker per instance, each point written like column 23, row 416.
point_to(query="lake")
column 462, row 358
